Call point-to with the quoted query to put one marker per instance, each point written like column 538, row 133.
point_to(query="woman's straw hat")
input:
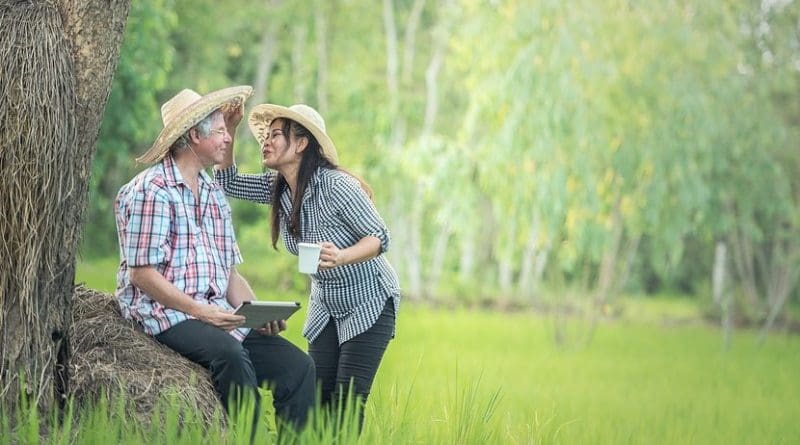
column 185, row 110
column 263, row 115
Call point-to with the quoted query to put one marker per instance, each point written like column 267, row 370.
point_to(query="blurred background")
column 524, row 154
column 594, row 204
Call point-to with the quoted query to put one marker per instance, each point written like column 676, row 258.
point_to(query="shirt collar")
column 173, row 175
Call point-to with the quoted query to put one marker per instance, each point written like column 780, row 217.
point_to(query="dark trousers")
column 235, row 365
column 356, row 360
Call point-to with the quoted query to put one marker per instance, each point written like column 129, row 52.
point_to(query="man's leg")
column 289, row 373
column 325, row 352
column 215, row 350
column 360, row 357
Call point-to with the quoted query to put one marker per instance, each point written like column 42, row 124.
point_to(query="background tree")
column 521, row 151
column 57, row 65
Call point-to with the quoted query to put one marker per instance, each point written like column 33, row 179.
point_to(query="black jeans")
column 235, row 365
column 356, row 360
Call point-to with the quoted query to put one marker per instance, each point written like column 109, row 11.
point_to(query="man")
column 178, row 252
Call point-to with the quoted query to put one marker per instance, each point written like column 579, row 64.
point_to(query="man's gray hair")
column 203, row 129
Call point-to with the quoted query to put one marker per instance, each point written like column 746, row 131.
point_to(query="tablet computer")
column 258, row 313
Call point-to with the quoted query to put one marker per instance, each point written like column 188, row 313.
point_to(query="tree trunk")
column 743, row 261
column 440, row 38
column 466, row 262
column 397, row 134
column 608, row 263
column 57, row 65
column 266, row 58
column 783, row 273
column 438, row 258
column 299, row 69
column 414, row 230
column 720, row 293
column 504, row 255
column 321, row 26
column 534, row 260
column 409, row 45
column 629, row 256
column 607, row 271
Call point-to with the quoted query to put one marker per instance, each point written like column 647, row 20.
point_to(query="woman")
column 355, row 293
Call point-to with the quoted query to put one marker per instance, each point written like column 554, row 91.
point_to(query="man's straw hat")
column 185, row 110
column 263, row 115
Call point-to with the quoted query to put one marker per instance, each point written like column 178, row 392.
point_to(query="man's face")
column 211, row 149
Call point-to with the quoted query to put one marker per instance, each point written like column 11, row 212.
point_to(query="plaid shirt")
column 189, row 241
column 335, row 209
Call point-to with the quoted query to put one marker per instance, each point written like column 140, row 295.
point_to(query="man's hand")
column 272, row 328
column 215, row 316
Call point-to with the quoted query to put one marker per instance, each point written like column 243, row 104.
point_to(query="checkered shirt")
column 334, row 208
column 189, row 241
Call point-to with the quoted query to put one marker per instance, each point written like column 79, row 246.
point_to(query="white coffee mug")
column 308, row 257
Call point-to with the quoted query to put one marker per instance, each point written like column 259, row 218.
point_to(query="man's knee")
column 233, row 360
column 304, row 370
column 298, row 380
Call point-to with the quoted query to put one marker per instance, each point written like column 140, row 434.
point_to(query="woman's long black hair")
column 312, row 160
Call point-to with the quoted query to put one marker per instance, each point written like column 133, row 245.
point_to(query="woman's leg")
column 360, row 357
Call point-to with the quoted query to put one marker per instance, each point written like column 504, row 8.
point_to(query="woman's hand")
column 233, row 115
column 330, row 256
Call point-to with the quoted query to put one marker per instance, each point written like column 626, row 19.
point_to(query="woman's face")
column 278, row 151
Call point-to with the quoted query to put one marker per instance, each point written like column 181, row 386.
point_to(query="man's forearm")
column 161, row 290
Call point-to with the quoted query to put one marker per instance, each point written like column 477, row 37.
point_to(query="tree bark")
column 57, row 66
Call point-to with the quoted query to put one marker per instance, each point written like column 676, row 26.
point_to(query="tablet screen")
column 258, row 313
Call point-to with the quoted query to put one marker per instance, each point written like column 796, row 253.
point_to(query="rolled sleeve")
column 359, row 213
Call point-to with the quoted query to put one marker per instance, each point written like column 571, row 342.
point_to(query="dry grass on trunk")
column 111, row 353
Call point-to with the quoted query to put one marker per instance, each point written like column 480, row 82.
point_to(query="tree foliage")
column 603, row 143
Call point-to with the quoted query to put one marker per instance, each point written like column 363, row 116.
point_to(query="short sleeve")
column 233, row 254
column 148, row 228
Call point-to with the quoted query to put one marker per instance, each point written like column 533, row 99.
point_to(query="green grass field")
column 488, row 377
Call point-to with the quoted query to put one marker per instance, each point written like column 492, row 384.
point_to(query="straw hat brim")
column 191, row 116
column 262, row 116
